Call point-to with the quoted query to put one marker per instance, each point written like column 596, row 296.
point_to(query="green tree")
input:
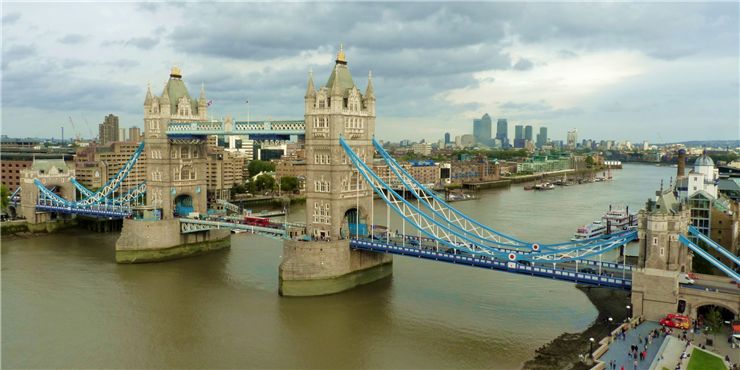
column 289, row 183
column 264, row 182
column 238, row 189
column 589, row 161
column 258, row 166
column 713, row 321
column 4, row 194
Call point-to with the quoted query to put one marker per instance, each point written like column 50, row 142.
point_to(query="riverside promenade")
column 619, row 349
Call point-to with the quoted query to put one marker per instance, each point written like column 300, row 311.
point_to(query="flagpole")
column 247, row 111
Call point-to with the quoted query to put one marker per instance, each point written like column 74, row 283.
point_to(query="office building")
column 542, row 137
column 108, row 130
column 528, row 133
column 482, row 129
column 502, row 132
column 447, row 138
column 134, row 134
column 519, row 136
column 572, row 138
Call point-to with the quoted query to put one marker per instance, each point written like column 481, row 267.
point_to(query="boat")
column 593, row 230
column 613, row 221
column 619, row 219
column 544, row 186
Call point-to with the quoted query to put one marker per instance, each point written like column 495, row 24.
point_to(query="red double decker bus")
column 256, row 221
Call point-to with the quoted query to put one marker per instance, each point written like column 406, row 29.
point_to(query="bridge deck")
column 477, row 261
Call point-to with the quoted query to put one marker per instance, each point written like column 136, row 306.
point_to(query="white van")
column 685, row 279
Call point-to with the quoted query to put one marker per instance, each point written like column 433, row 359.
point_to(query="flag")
column 209, row 103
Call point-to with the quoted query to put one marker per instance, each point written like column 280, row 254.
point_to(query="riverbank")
column 562, row 352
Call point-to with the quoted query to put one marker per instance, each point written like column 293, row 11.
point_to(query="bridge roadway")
column 565, row 272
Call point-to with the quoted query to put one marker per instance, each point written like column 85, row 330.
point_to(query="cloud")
column 144, row 43
column 523, row 64
column 435, row 65
column 16, row 53
column 11, row 18
column 73, row 38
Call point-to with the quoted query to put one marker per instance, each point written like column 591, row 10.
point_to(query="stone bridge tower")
column 655, row 288
column 176, row 166
column 336, row 195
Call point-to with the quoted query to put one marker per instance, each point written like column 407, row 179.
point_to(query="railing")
column 297, row 127
column 486, row 262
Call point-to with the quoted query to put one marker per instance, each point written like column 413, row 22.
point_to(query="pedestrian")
column 635, row 364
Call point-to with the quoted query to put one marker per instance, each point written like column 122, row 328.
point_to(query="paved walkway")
column 672, row 349
column 619, row 349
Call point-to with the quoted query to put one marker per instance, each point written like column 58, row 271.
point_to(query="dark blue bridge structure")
column 447, row 235
column 107, row 202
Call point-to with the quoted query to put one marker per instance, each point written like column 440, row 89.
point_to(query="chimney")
column 680, row 173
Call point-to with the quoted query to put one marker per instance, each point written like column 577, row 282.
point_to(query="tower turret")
column 202, row 103
column 370, row 94
column 310, row 97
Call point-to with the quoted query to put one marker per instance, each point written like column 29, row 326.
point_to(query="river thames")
column 67, row 304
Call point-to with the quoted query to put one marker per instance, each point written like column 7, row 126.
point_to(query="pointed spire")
column 148, row 99
column 336, row 89
column 202, row 91
column 310, row 90
column 370, row 91
column 341, row 58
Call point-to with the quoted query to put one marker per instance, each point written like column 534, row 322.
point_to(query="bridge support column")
column 312, row 268
column 161, row 240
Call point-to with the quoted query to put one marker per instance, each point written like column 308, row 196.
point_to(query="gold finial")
column 340, row 55
column 175, row 72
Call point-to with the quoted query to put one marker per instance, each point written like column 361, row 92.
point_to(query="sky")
column 661, row 72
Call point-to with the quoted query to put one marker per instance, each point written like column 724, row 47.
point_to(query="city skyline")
column 606, row 82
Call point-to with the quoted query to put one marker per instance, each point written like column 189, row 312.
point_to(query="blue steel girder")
column 488, row 263
column 451, row 238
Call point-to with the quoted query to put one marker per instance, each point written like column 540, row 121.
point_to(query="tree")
column 257, row 166
column 589, row 161
column 264, row 182
column 238, row 189
column 4, row 194
column 289, row 183
column 713, row 321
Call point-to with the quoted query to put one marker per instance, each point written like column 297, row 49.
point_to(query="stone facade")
column 175, row 166
column 53, row 174
column 655, row 282
column 332, row 186
column 153, row 241
column 335, row 194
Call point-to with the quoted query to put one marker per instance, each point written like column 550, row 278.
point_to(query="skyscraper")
column 542, row 137
column 447, row 138
column 518, row 136
column 108, row 130
column 528, row 132
column 502, row 132
column 572, row 138
column 482, row 129
column 134, row 134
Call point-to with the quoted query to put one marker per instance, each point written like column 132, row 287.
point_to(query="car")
column 524, row 263
column 674, row 320
column 588, row 270
column 414, row 242
column 685, row 279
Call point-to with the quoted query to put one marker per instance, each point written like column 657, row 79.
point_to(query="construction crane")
column 74, row 129
column 92, row 136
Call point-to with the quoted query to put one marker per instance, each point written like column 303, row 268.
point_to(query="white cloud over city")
column 625, row 71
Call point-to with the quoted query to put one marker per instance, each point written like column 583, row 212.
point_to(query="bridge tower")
column 337, row 198
column 176, row 167
column 655, row 288
column 53, row 174
column 176, row 181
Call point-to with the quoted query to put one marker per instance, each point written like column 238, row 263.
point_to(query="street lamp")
column 629, row 312
column 591, row 346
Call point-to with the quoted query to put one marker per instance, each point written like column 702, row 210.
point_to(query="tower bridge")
column 342, row 245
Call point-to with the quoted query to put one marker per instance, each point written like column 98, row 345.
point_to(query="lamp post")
column 591, row 346
column 629, row 312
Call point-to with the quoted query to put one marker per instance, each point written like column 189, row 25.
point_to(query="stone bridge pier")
column 54, row 174
column 662, row 259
